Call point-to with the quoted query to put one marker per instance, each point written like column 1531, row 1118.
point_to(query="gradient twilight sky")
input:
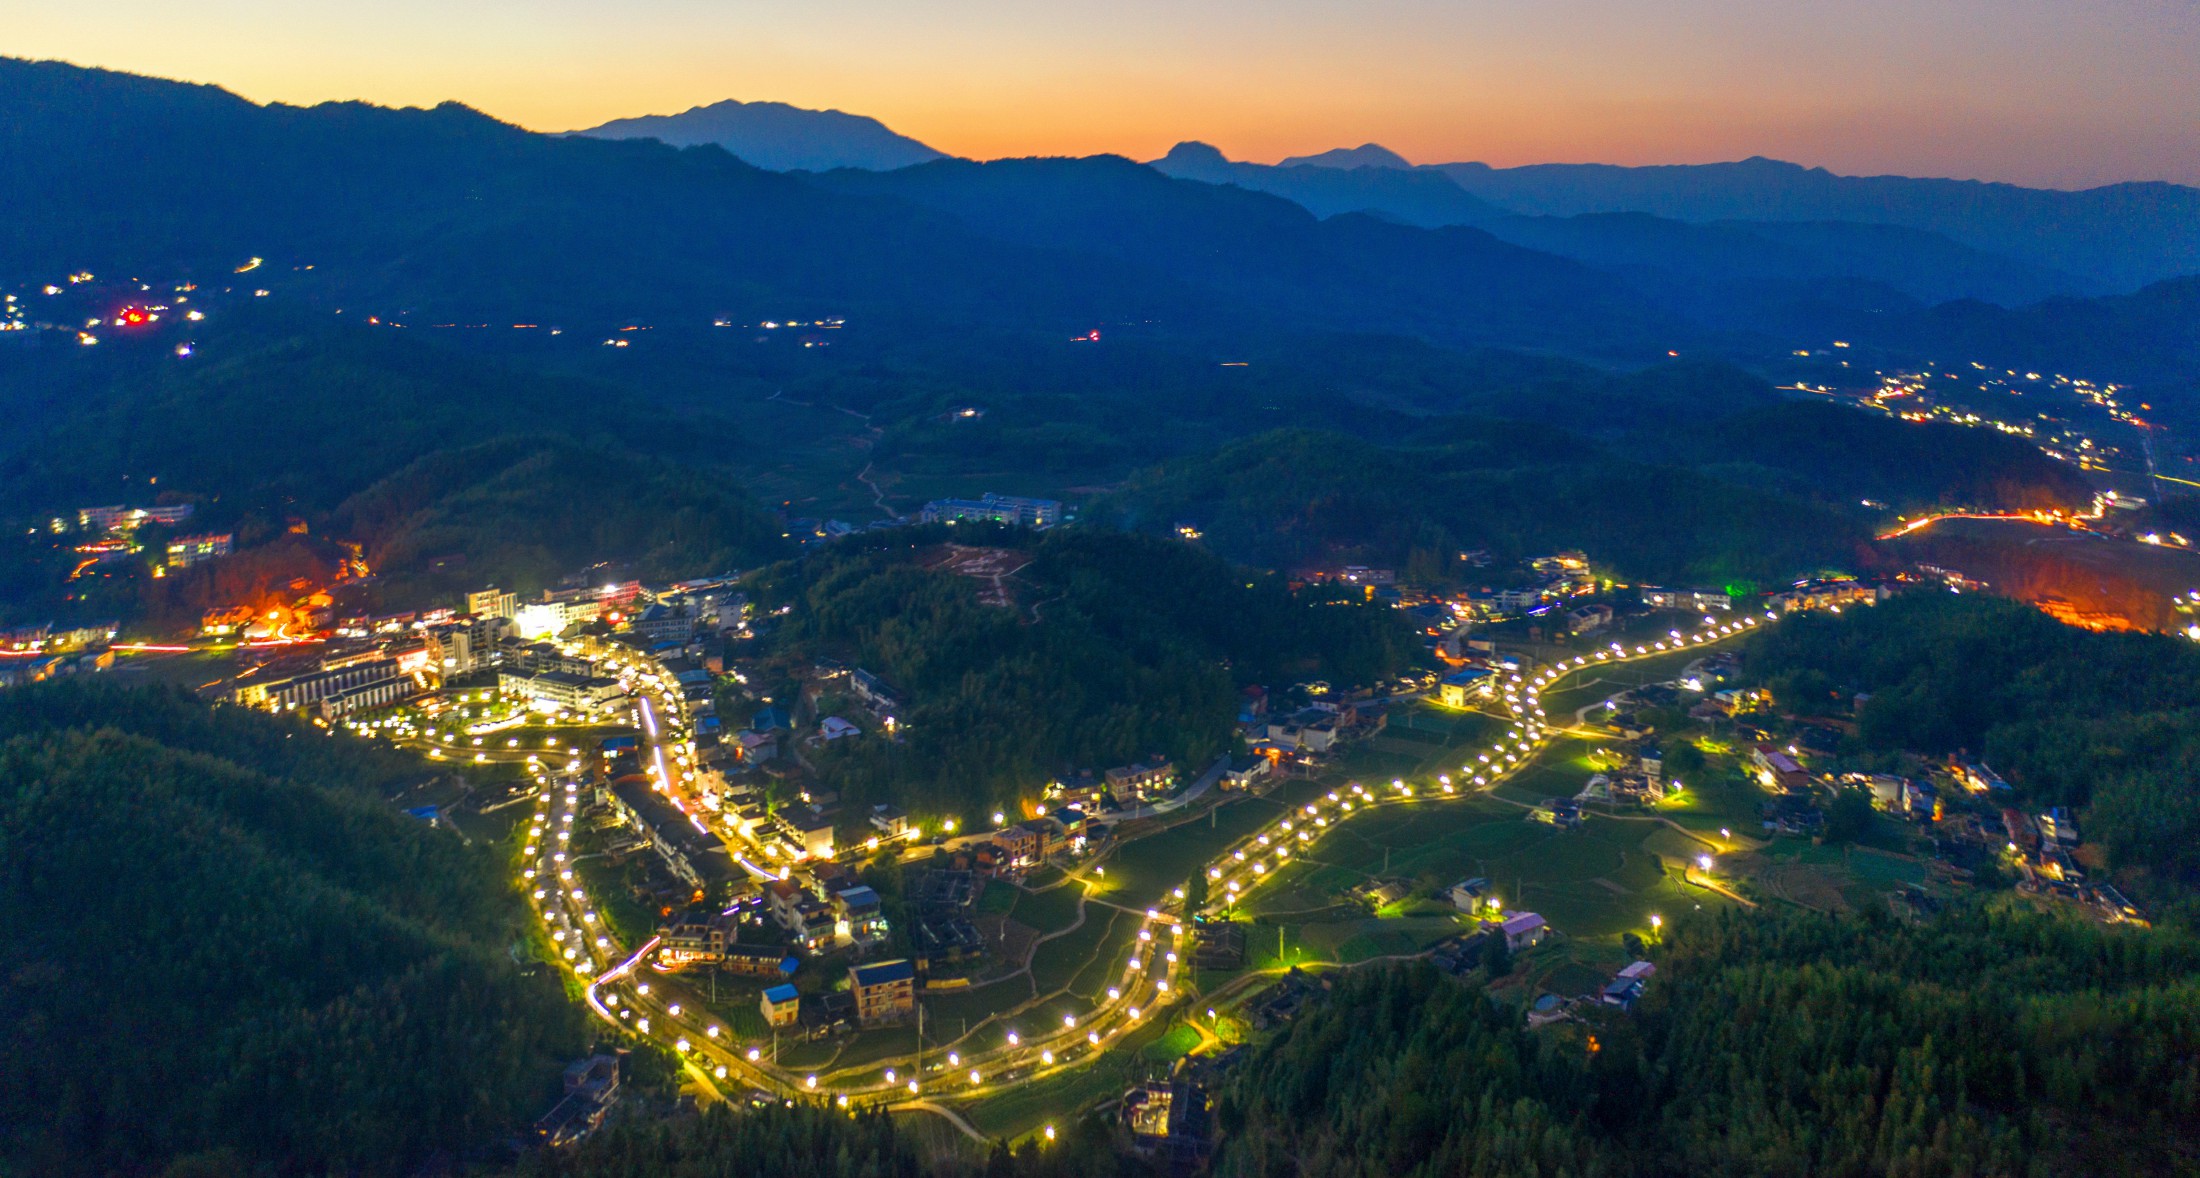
column 2051, row 92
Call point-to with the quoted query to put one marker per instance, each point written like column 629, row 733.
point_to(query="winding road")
column 623, row 991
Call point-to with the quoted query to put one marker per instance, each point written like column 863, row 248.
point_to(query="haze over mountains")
column 1996, row 242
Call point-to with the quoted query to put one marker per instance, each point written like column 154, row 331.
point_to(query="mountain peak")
column 778, row 137
column 1366, row 155
column 1192, row 151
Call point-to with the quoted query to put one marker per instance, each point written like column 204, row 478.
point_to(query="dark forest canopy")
column 225, row 946
column 1768, row 1043
column 809, row 1141
column 2106, row 722
column 1117, row 647
column 1693, row 473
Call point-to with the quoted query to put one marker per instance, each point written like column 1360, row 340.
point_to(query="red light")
column 133, row 316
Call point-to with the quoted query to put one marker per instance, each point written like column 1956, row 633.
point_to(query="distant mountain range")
column 449, row 214
column 2117, row 237
column 777, row 137
column 1998, row 243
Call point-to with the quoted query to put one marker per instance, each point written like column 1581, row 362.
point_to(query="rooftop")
column 882, row 972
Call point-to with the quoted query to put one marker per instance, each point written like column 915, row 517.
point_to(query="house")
column 1084, row 791
column 1589, row 619
column 1218, row 944
column 679, row 839
column 875, row 694
column 806, row 918
column 1141, row 779
column 591, row 1085
column 1384, row 893
column 1626, row 986
column 665, row 622
column 857, row 915
column 884, row 991
column 807, row 829
column 760, row 963
column 1516, row 600
column 1466, row 895
column 1252, row 704
column 1693, row 600
column 1244, row 771
column 756, row 747
column 2059, row 826
column 891, row 821
column 1977, row 777
column 834, row 728
column 1523, row 930
column 1460, row 686
column 562, row 690
column 1563, row 813
column 1778, row 771
column 185, row 551
column 992, row 508
column 699, row 934
column 782, row 1005
column 1028, row 844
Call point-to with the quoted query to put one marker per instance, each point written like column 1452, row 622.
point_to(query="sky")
column 2062, row 93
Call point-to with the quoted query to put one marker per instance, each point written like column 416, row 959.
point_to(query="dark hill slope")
column 448, row 214
column 1276, row 259
column 224, row 944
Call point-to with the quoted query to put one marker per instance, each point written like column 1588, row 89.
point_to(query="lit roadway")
column 625, row 991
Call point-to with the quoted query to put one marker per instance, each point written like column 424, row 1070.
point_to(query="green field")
column 1046, row 912
column 1597, row 882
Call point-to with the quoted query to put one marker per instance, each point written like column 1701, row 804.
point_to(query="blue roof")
column 1462, row 678
column 781, row 993
column 858, row 896
column 883, row 972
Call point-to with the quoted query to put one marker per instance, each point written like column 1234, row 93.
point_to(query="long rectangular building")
column 693, row 854
column 561, row 689
column 1002, row 509
column 373, row 682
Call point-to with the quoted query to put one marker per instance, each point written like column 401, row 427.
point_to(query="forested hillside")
column 806, row 1141
column 1693, row 473
column 1768, row 1043
column 2109, row 723
column 451, row 469
column 1116, row 647
column 225, row 947
column 1297, row 498
column 524, row 512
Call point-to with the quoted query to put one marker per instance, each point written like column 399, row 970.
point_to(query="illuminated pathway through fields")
column 1149, row 986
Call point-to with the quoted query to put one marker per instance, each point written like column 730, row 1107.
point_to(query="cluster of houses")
column 36, row 653
column 1313, row 732
column 376, row 662
column 878, row 994
column 1170, row 1123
